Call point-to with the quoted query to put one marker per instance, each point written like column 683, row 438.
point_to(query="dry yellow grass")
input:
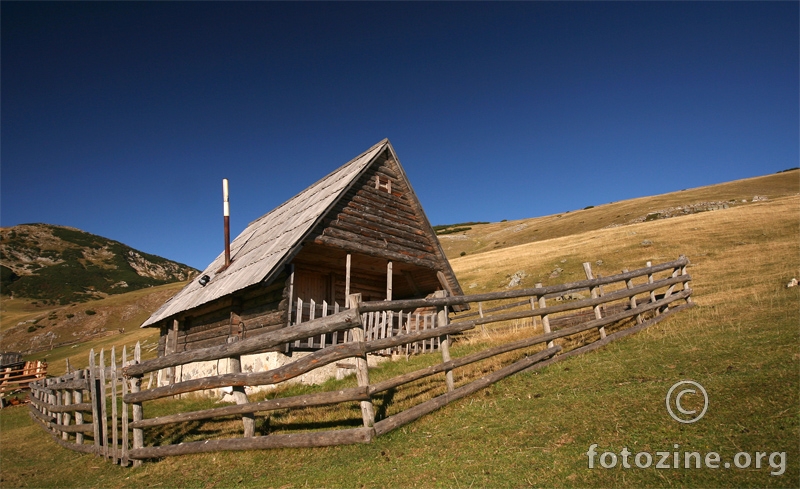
column 718, row 243
column 486, row 237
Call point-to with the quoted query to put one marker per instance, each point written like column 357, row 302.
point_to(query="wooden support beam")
column 444, row 341
column 389, row 281
column 362, row 372
column 138, row 413
column 347, row 267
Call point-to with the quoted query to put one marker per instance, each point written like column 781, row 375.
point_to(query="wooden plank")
column 271, row 377
column 348, row 265
column 368, row 209
column 444, row 342
column 376, row 216
column 66, row 429
column 138, row 413
column 53, row 408
column 294, row 440
column 306, row 400
column 124, row 455
column 77, row 397
column 345, row 242
column 337, row 322
column 103, row 405
column 67, row 400
column 389, row 281
column 94, row 395
column 371, row 240
column 114, row 425
column 373, row 230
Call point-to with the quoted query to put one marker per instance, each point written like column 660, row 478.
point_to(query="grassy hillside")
column 534, row 429
column 54, row 332
column 62, row 265
column 478, row 238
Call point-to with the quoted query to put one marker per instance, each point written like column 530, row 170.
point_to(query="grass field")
column 740, row 343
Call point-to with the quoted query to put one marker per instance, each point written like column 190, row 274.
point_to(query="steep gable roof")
column 260, row 251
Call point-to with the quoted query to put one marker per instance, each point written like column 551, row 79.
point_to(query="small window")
column 382, row 183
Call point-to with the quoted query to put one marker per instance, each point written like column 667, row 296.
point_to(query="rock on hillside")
column 59, row 265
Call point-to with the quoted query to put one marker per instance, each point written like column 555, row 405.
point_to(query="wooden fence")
column 377, row 324
column 18, row 376
column 101, row 409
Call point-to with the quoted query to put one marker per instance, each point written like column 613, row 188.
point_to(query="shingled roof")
column 260, row 251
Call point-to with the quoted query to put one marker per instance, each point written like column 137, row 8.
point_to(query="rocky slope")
column 62, row 265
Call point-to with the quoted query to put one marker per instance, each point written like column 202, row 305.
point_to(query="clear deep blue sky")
column 121, row 119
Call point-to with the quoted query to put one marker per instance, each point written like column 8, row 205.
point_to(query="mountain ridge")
column 62, row 264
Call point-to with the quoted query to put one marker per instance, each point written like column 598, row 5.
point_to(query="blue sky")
column 121, row 118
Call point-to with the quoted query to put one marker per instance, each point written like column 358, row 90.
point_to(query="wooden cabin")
column 361, row 229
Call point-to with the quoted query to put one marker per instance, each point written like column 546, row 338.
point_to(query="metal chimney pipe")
column 226, row 212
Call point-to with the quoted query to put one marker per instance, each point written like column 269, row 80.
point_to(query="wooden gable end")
column 378, row 216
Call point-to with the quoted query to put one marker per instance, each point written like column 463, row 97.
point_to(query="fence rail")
column 101, row 409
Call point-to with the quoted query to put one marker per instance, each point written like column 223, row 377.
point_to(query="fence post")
column 94, row 395
column 629, row 285
column 587, row 267
column 545, row 317
column 362, row 373
column 124, row 458
column 299, row 318
column 235, row 367
column 66, row 400
column 675, row 273
column 652, row 292
column 136, row 386
column 77, row 397
column 114, row 426
column 103, row 407
column 686, row 283
column 57, row 395
column 444, row 340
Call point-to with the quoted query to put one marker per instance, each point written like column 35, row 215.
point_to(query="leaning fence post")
column 686, row 283
column 675, row 272
column 240, row 397
column 136, row 386
column 545, row 317
column 629, row 285
column 444, row 340
column 362, row 372
column 587, row 267
column 652, row 292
